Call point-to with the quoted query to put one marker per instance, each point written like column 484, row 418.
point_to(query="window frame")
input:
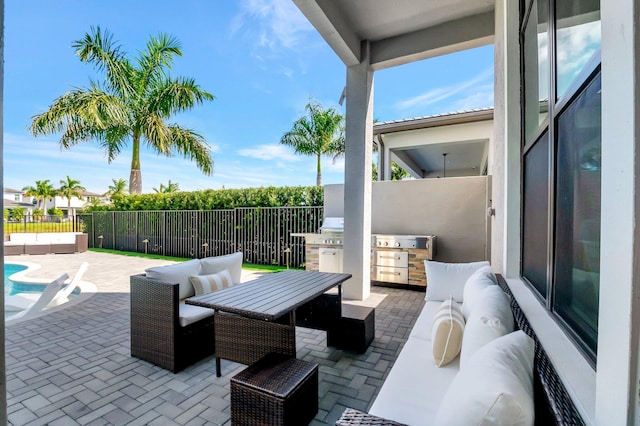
column 555, row 109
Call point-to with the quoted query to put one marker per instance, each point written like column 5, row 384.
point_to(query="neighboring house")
column 15, row 198
column 71, row 207
column 443, row 145
column 562, row 158
column 68, row 207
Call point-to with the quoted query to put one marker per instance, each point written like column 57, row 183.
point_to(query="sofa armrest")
column 351, row 417
column 154, row 320
column 82, row 243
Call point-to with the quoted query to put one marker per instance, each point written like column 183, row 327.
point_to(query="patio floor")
column 72, row 366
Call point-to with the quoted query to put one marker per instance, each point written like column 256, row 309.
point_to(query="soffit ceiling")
column 466, row 155
column 400, row 31
column 380, row 19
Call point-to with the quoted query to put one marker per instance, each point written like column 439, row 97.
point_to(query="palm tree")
column 171, row 187
column 118, row 188
column 132, row 104
column 41, row 192
column 318, row 133
column 71, row 188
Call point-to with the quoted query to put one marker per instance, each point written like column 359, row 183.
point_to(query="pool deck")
column 72, row 366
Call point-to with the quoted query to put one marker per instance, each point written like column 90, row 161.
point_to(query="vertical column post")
column 617, row 387
column 357, row 179
column 504, row 151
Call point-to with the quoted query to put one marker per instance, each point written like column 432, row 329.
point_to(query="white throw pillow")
column 448, row 279
column 178, row 273
column 208, row 283
column 491, row 318
column 231, row 262
column 446, row 332
column 496, row 389
column 477, row 282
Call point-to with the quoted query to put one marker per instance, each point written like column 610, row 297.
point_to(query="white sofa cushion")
column 56, row 237
column 403, row 397
column 448, row 279
column 178, row 273
column 189, row 314
column 446, row 332
column 203, row 284
column 496, row 389
column 491, row 318
column 415, row 386
column 231, row 262
column 477, row 282
column 23, row 237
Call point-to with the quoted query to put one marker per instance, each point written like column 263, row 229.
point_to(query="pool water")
column 9, row 286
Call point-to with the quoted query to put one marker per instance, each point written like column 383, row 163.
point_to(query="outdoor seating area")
column 85, row 372
column 45, row 243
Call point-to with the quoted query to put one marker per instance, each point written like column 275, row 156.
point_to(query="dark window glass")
column 536, row 68
column 577, row 38
column 535, row 214
column 577, row 253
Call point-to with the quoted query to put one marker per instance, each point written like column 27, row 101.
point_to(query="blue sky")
column 262, row 61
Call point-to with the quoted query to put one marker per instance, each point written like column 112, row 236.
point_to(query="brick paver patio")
column 72, row 366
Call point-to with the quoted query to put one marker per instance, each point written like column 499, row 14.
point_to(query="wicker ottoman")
column 275, row 391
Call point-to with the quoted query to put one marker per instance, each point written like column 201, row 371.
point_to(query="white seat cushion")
column 178, row 273
column 24, row 238
column 188, row 314
column 496, row 389
column 448, row 279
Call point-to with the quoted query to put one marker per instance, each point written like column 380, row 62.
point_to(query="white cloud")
column 274, row 24
column 269, row 152
column 440, row 94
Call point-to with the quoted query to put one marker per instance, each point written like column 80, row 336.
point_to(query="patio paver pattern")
column 72, row 366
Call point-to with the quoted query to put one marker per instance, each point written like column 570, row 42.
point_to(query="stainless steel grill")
column 426, row 242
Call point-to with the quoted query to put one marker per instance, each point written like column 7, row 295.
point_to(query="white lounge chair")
column 54, row 294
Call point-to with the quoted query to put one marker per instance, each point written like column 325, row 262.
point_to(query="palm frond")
column 178, row 95
column 98, row 48
column 193, row 146
column 157, row 134
column 154, row 62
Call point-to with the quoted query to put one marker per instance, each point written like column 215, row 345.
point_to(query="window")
column 535, row 208
column 17, row 197
column 577, row 216
column 561, row 140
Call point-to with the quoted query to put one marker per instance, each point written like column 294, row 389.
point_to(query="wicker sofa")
column 164, row 330
column 417, row 391
column 45, row 243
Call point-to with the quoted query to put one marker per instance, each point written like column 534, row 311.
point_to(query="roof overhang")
column 401, row 31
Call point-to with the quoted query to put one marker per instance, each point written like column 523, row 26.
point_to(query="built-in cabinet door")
column 330, row 260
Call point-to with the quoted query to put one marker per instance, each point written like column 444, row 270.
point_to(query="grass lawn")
column 248, row 266
column 16, row 227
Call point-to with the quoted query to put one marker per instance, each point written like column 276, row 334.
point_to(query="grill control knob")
column 386, row 243
column 397, row 244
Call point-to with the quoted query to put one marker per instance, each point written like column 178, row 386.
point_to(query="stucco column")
column 357, row 178
column 504, row 151
column 617, row 399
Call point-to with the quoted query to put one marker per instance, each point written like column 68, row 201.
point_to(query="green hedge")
column 220, row 199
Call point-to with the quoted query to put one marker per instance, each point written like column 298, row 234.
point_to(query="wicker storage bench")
column 276, row 390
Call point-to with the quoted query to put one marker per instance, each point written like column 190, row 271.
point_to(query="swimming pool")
column 10, row 269
column 12, row 287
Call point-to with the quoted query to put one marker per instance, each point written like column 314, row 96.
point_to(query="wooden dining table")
column 258, row 317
